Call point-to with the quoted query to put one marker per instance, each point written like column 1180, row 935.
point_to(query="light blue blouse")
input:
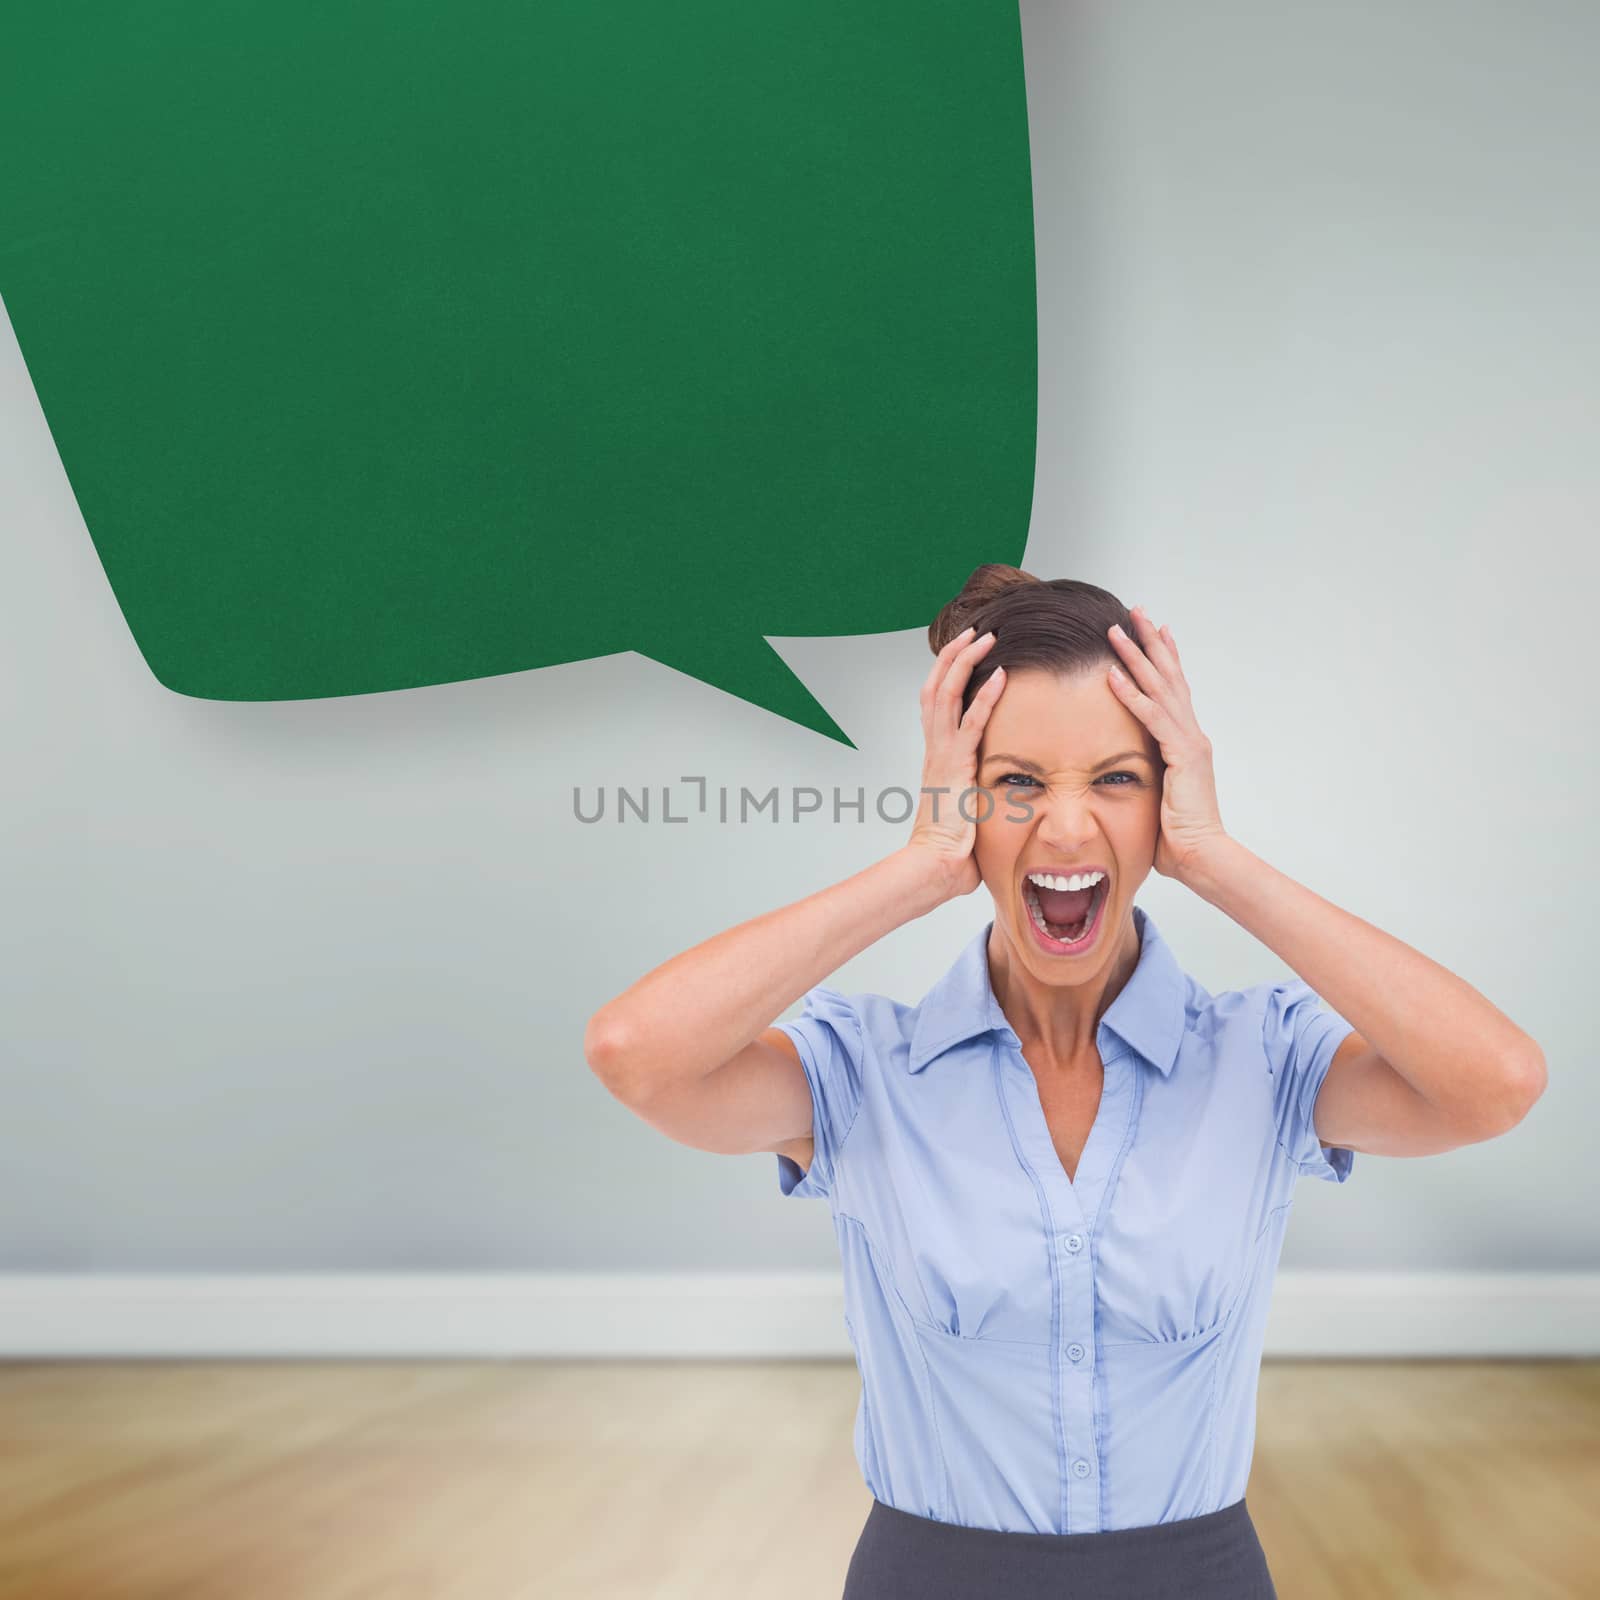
column 1040, row 1355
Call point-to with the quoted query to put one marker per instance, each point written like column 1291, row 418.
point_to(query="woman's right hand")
column 950, row 762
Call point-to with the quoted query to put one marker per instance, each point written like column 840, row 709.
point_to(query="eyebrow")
column 1033, row 766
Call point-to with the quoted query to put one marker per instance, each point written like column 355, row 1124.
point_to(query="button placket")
column 1081, row 1505
column 1068, row 1218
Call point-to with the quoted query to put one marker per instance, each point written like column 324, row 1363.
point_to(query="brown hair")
column 1057, row 624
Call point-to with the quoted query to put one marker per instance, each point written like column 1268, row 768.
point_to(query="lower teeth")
column 1071, row 935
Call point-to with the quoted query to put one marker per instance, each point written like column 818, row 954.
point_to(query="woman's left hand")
column 1158, row 696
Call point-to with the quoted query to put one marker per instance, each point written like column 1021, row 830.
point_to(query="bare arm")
column 1434, row 1064
column 691, row 1014
column 691, row 1045
column 1445, row 1067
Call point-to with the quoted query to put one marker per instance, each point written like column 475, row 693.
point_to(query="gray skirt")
column 901, row 1556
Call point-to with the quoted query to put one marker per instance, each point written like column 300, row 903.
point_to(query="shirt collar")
column 1148, row 1015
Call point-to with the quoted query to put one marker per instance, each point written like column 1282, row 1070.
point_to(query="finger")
column 930, row 684
column 955, row 678
column 1135, row 663
column 1147, row 673
column 1175, row 670
column 1154, row 644
column 1170, row 731
column 941, row 661
column 977, row 714
column 1173, row 687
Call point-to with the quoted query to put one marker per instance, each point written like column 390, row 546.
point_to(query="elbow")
column 1532, row 1079
column 1526, row 1082
column 605, row 1048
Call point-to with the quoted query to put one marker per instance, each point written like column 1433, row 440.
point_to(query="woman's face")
column 1059, row 800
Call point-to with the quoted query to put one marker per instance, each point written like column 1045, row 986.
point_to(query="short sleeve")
column 1300, row 1034
column 828, row 1035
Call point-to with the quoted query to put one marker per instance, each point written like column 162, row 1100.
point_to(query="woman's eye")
column 1023, row 781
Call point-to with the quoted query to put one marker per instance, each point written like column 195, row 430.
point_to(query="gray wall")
column 303, row 986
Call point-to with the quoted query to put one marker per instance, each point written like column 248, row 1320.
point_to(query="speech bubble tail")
column 746, row 666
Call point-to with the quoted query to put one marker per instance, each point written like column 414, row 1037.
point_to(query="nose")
column 1066, row 824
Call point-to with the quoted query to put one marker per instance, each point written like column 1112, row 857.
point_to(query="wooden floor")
column 499, row 1480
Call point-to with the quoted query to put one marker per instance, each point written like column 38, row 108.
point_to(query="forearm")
column 689, row 1015
column 1433, row 1028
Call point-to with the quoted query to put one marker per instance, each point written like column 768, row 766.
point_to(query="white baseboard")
column 649, row 1316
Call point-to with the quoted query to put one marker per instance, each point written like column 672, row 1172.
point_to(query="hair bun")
column 992, row 578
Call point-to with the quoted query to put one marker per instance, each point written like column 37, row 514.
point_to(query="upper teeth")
column 1078, row 880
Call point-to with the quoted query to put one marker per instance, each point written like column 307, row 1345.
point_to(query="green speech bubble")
column 390, row 344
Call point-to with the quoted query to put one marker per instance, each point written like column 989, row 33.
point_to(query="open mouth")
column 1064, row 922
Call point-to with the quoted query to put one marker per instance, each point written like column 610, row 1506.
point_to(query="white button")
column 1075, row 1352
column 1072, row 1242
column 1081, row 1467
